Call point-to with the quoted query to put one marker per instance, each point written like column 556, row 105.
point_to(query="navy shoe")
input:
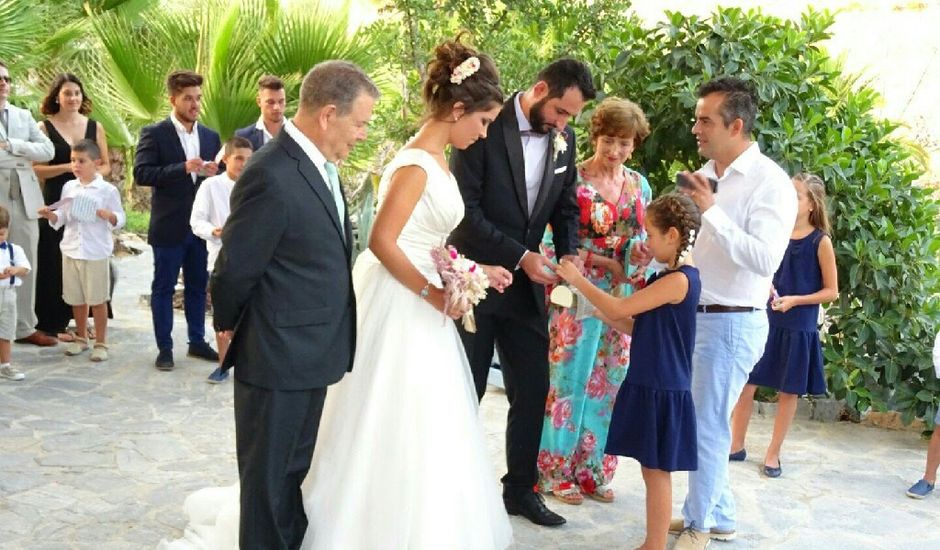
column 202, row 350
column 920, row 489
column 770, row 471
column 738, row 456
column 217, row 376
column 164, row 360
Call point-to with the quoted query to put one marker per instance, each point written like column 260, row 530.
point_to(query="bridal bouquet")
column 465, row 282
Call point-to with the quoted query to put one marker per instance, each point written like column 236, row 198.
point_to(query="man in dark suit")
column 272, row 101
column 174, row 156
column 282, row 291
column 521, row 177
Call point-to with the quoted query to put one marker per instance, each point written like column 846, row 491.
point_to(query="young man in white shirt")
column 211, row 209
column 746, row 225
column 92, row 210
column 272, row 101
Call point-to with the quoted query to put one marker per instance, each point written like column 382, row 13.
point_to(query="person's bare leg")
column 658, row 508
column 80, row 313
column 100, row 314
column 221, row 343
column 6, row 354
column 933, row 455
column 741, row 417
column 786, row 410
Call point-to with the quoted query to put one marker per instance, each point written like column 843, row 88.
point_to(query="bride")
column 401, row 461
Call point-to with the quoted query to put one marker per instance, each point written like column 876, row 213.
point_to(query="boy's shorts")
column 85, row 281
column 7, row 312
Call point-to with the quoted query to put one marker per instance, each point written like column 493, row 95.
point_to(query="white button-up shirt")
column 265, row 134
column 19, row 260
column 746, row 232
column 210, row 210
column 89, row 240
column 188, row 139
column 534, row 153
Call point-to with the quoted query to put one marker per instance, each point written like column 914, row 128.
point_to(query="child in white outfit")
column 13, row 267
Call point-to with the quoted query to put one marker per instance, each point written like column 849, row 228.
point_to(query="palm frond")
column 19, row 26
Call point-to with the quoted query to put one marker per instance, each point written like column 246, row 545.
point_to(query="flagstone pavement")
column 102, row 456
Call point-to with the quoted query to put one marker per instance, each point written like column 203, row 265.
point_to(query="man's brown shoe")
column 38, row 338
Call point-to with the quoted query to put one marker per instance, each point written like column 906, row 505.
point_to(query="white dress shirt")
column 188, row 139
column 316, row 157
column 746, row 232
column 89, row 240
column 265, row 134
column 534, row 153
column 210, row 210
column 19, row 260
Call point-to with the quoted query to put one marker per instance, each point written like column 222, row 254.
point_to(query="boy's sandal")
column 602, row 493
column 68, row 336
column 100, row 352
column 568, row 492
column 77, row 346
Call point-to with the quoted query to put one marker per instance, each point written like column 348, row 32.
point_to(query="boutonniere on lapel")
column 560, row 144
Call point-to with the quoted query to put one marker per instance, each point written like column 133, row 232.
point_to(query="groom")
column 282, row 291
column 513, row 183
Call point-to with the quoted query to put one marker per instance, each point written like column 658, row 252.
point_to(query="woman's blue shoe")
column 738, row 456
column 920, row 489
column 770, row 471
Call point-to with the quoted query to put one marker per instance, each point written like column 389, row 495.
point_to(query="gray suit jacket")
column 27, row 144
column 283, row 280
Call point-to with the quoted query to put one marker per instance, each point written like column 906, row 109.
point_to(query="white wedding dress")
column 400, row 461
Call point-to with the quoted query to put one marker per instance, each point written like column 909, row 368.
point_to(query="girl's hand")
column 569, row 271
column 783, row 303
column 618, row 274
column 500, row 277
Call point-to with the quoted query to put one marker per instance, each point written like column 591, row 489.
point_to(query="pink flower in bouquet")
column 464, row 285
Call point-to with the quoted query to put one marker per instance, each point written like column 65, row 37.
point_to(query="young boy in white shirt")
column 13, row 267
column 90, row 209
column 211, row 209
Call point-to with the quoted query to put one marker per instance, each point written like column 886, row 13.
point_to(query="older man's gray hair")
column 335, row 83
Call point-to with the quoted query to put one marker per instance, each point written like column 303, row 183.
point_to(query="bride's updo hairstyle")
column 459, row 73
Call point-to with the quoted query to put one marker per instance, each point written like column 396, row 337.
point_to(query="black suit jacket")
column 497, row 227
column 283, row 280
column 160, row 163
column 252, row 134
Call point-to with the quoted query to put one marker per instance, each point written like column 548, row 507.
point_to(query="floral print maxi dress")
column 587, row 359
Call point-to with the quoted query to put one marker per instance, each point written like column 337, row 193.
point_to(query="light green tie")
column 333, row 181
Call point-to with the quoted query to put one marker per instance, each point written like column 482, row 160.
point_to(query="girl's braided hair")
column 679, row 211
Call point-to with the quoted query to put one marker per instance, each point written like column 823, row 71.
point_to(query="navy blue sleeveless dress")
column 653, row 419
column 793, row 360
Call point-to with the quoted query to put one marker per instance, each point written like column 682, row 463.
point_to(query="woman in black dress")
column 66, row 107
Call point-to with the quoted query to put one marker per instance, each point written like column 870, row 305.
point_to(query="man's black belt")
column 715, row 308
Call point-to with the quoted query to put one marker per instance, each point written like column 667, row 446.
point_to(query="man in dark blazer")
column 272, row 101
column 282, row 291
column 514, row 182
column 173, row 157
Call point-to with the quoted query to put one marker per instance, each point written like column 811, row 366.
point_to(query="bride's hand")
column 436, row 299
column 500, row 277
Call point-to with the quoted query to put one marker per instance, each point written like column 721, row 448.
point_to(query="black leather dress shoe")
column 531, row 506
column 164, row 360
column 202, row 350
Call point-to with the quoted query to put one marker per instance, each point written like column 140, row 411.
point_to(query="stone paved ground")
column 102, row 455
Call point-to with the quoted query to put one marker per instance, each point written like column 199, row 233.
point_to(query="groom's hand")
column 539, row 269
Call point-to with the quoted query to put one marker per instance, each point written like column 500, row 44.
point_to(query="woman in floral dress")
column 587, row 359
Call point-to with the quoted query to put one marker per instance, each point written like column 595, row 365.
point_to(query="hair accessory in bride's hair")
column 466, row 69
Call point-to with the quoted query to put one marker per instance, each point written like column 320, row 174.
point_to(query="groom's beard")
column 537, row 117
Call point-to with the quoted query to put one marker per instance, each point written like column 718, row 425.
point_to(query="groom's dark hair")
column 568, row 73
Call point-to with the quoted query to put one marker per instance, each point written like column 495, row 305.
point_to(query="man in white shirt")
column 21, row 144
column 746, row 227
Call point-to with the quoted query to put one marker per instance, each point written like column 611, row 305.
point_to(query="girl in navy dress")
column 653, row 419
column 793, row 363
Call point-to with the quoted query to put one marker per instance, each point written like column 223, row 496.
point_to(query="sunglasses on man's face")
column 6, row 78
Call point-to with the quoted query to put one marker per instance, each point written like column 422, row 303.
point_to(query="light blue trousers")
column 727, row 346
